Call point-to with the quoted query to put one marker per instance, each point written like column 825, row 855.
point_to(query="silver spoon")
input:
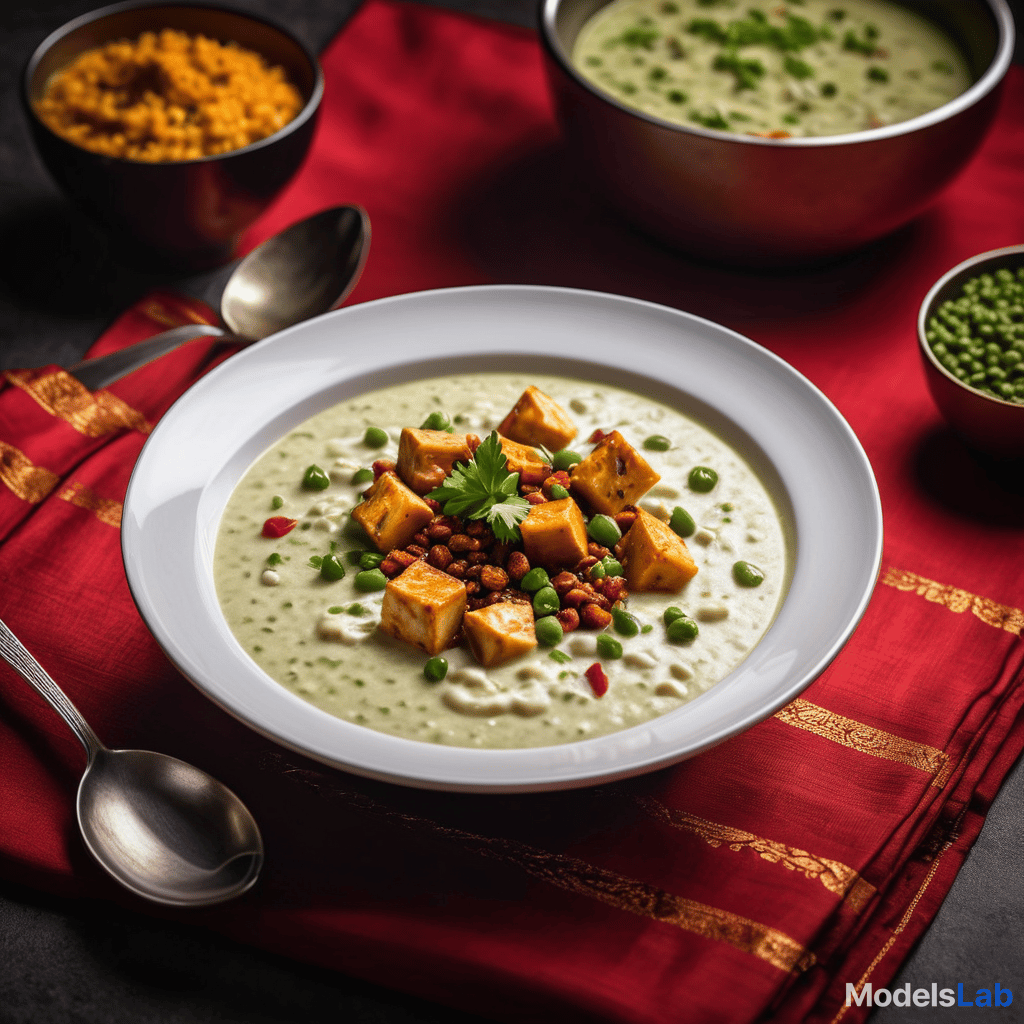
column 303, row 271
column 164, row 829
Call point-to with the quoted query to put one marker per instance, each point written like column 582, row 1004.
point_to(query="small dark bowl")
column 185, row 214
column 989, row 424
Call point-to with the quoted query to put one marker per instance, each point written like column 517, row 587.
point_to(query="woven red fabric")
column 757, row 879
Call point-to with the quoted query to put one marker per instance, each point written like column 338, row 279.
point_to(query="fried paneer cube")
column 613, row 475
column 424, row 607
column 391, row 513
column 524, row 460
column 499, row 632
column 654, row 556
column 538, row 419
column 426, row 457
column 555, row 534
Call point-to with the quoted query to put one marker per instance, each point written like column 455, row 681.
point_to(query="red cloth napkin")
column 759, row 879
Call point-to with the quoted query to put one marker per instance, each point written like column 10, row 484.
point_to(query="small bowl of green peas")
column 971, row 334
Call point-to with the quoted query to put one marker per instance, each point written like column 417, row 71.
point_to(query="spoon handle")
column 16, row 654
column 103, row 370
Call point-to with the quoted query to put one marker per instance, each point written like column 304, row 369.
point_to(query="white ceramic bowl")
column 788, row 431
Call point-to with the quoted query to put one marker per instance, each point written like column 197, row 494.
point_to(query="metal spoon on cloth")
column 164, row 829
column 303, row 271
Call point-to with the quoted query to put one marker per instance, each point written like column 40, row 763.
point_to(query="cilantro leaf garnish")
column 484, row 489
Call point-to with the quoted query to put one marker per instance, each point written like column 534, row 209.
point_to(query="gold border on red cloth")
column 866, row 739
column 956, row 600
column 835, row 876
column 106, row 509
column 582, row 878
column 26, row 480
column 93, row 415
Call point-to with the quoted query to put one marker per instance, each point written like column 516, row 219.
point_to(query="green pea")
column 604, row 530
column 370, row 579
column 612, row 566
column 657, row 443
column 545, row 601
column 702, row 479
column 362, row 476
column 332, row 567
column 276, row 501
column 597, row 571
column 370, row 560
column 608, row 646
column 437, row 420
column 548, row 630
column 558, row 492
column 682, row 522
column 985, row 321
column 682, row 630
column 624, row 623
column 375, row 437
column 435, row 670
column 671, row 614
column 534, row 580
column 747, row 575
column 564, row 459
column 315, row 479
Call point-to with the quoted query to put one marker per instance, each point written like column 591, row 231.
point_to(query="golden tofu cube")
column 499, row 632
column 391, row 513
column 423, row 606
column 538, row 419
column 524, row 460
column 613, row 475
column 426, row 457
column 555, row 534
column 654, row 556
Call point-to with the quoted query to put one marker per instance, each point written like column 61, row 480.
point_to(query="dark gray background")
column 86, row 962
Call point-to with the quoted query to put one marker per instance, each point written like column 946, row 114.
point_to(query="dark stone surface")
column 89, row 963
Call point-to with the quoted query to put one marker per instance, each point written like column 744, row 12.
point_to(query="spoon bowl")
column 308, row 268
column 164, row 829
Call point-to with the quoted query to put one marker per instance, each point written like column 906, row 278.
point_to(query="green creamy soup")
column 319, row 636
column 761, row 67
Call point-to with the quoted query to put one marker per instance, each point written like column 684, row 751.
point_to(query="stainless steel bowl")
column 756, row 201
column 987, row 423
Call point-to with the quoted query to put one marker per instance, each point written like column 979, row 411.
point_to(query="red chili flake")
column 597, row 679
column 278, row 526
column 596, row 436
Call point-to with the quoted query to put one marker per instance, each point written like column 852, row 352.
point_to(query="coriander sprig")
column 484, row 489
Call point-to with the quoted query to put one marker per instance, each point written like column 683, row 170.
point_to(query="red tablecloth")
column 757, row 880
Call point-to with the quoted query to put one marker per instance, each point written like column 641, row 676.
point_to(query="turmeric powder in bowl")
column 168, row 96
